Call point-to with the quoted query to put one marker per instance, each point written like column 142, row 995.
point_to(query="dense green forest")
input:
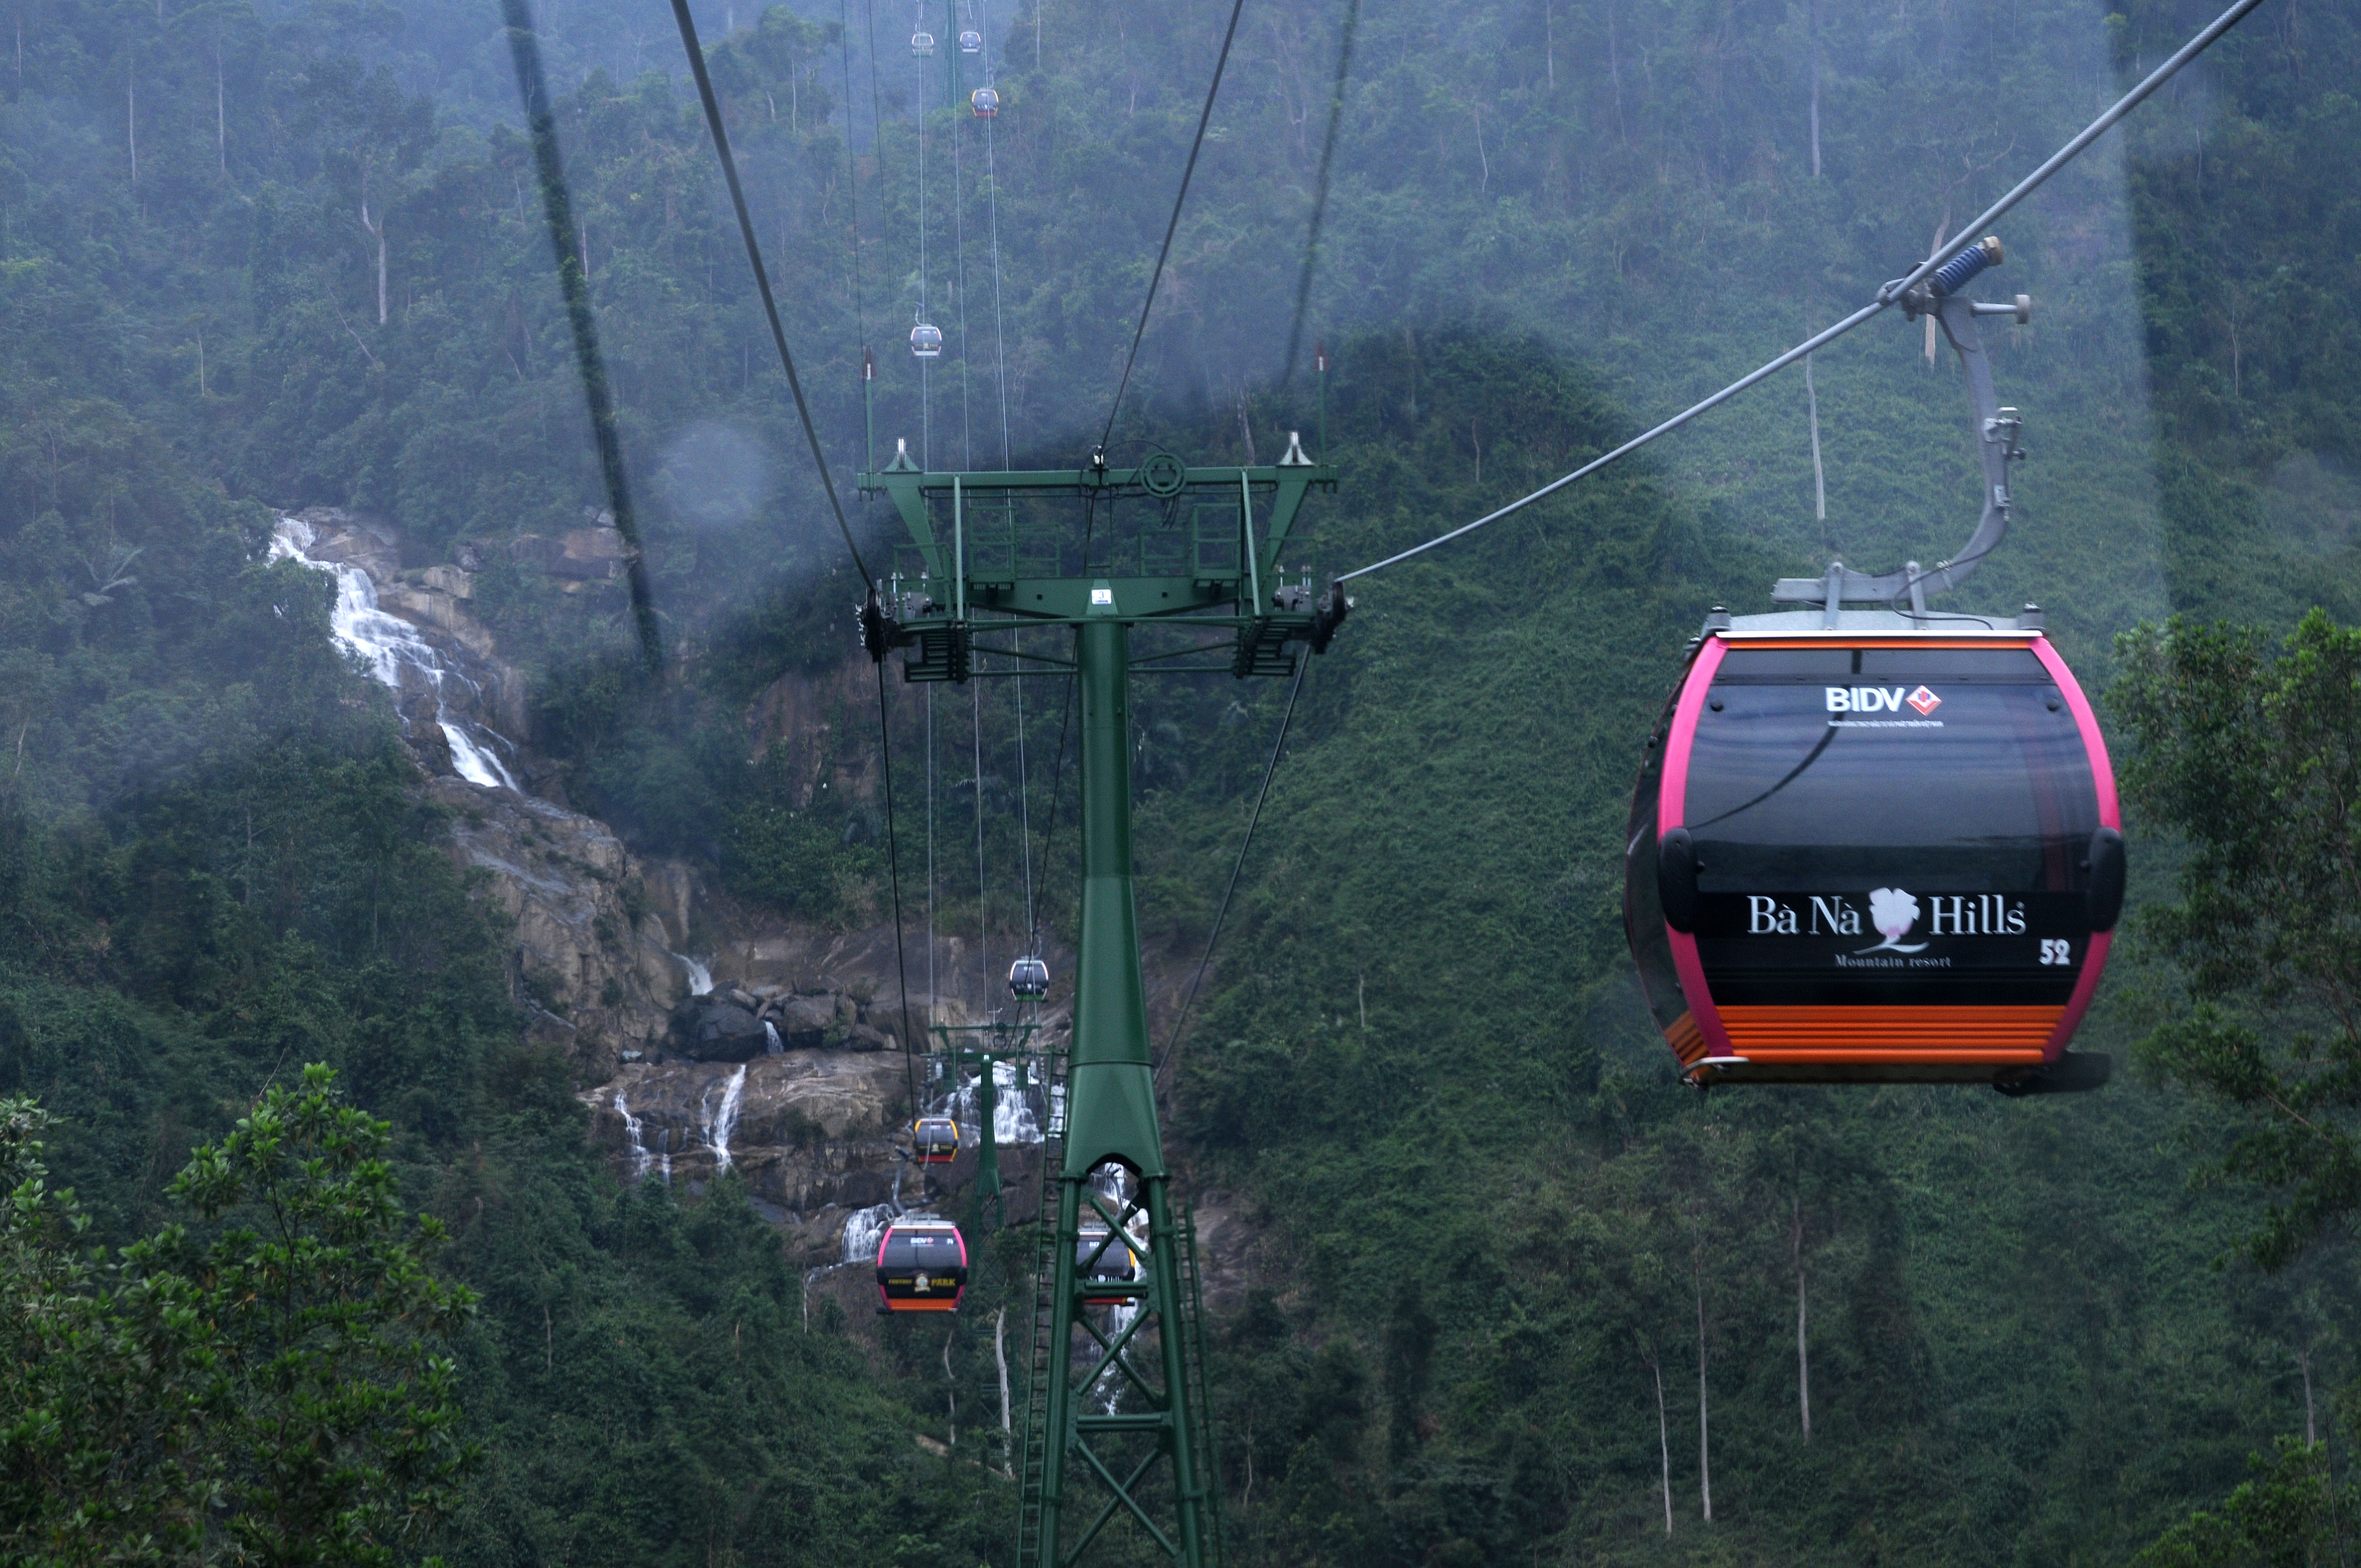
column 255, row 257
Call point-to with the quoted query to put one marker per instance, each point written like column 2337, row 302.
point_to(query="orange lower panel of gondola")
column 1926, row 1044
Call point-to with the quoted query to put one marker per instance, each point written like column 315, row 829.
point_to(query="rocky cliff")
column 777, row 1052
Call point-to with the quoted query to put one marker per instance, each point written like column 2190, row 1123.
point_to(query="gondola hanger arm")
column 1889, row 294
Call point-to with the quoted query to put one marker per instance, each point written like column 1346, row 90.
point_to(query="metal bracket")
column 1997, row 447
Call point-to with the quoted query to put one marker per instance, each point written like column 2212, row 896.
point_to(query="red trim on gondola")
column 2103, row 776
column 1679, row 741
column 1943, row 1034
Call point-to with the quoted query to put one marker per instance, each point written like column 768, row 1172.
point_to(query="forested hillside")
column 254, row 259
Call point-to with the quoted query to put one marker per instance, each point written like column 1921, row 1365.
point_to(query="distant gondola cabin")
column 934, row 1140
column 922, row 43
column 1028, row 980
column 986, row 101
column 926, row 341
column 971, row 41
column 921, row 1266
column 1099, row 1260
column 1859, row 858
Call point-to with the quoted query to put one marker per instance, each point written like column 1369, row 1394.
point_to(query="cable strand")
column 1278, row 745
column 762, row 276
column 893, row 874
column 1320, row 196
column 1180, row 198
column 1886, row 296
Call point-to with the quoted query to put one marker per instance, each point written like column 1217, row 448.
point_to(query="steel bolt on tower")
column 1086, row 1466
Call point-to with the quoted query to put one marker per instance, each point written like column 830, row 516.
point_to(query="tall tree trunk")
column 131, row 120
column 1704, row 1445
column 1000, row 1354
column 1812, row 33
column 1664, row 1445
column 221, row 116
column 377, row 232
column 953, row 1392
column 1803, row 1350
column 2303, row 1365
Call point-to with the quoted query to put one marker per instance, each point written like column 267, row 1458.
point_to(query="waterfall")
column 663, row 1152
column 1013, row 1121
column 701, row 978
column 388, row 643
column 864, row 1228
column 640, row 1158
column 719, row 1127
column 771, row 1033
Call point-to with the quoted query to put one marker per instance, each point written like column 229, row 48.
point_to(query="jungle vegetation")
column 1520, row 1298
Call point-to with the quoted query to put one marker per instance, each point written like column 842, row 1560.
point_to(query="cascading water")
column 637, row 1139
column 864, row 1228
column 701, row 978
column 1012, row 1117
column 771, row 1033
column 720, row 1125
column 388, row 643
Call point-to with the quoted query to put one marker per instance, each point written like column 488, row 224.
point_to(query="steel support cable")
column 1889, row 294
column 1000, row 372
column 926, row 369
column 1180, row 198
column 851, row 166
column 959, row 264
column 761, row 277
column 982, row 924
column 1320, row 198
column 1304, row 663
column 573, row 283
column 893, row 874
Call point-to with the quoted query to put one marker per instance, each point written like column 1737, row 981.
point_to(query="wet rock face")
column 715, row 1028
column 591, row 960
column 812, row 1133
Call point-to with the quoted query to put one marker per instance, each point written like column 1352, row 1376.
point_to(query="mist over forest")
column 283, row 329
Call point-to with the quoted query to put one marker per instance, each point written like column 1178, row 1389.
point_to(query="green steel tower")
column 1117, row 1426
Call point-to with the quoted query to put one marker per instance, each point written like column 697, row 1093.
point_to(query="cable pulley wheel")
column 1163, row 475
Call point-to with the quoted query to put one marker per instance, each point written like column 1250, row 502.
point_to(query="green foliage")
column 2291, row 1515
column 2247, row 755
column 270, row 1394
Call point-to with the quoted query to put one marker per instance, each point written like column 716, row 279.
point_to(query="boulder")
column 807, row 1023
column 714, row 1029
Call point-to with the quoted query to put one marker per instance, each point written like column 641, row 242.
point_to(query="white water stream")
column 720, row 1125
column 1013, row 1121
column 632, row 1131
column 701, row 978
column 387, row 643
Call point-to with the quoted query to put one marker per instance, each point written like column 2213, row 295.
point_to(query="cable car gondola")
column 922, row 44
column 926, row 341
column 1028, row 980
column 1879, row 844
column 934, row 1140
column 1099, row 1261
column 971, row 41
column 921, row 1266
column 986, row 101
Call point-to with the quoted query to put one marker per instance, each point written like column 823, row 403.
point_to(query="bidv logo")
column 1880, row 699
